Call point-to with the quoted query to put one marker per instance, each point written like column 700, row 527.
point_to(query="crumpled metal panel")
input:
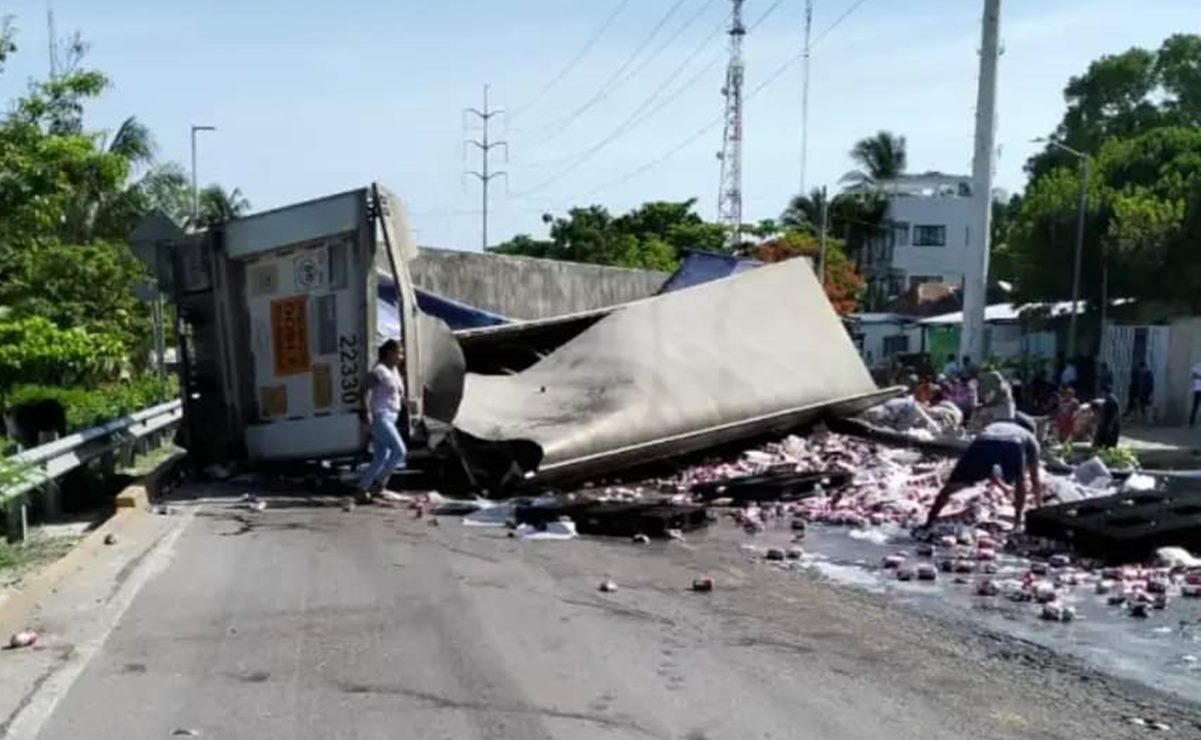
column 759, row 352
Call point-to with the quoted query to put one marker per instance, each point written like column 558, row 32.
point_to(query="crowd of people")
column 1006, row 441
column 963, row 398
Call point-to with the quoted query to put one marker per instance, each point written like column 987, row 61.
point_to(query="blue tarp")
column 701, row 267
column 456, row 315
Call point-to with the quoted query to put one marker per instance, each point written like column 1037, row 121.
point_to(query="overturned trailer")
column 276, row 330
column 279, row 314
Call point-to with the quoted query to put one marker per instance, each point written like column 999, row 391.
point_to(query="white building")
column 926, row 235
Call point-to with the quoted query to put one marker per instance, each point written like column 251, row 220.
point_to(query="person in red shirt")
column 1066, row 413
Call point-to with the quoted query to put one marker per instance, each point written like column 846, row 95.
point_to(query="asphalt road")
column 305, row 621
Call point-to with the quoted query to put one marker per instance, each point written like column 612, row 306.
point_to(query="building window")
column 929, row 236
column 896, row 345
column 915, row 280
column 900, row 233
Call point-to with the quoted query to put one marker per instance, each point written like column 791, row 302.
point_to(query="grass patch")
column 17, row 559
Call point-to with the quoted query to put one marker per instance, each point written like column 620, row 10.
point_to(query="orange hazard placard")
column 290, row 335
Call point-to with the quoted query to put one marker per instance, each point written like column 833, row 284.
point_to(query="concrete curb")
column 131, row 503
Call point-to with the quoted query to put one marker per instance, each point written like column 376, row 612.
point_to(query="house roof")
column 1009, row 312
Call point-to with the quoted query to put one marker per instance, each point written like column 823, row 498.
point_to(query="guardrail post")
column 52, row 501
column 107, row 464
column 16, row 521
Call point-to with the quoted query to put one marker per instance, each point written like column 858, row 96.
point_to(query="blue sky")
column 311, row 98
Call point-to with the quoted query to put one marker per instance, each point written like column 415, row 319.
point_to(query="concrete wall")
column 874, row 334
column 1184, row 351
column 529, row 288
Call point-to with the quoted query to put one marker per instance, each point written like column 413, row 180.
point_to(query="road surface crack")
column 438, row 701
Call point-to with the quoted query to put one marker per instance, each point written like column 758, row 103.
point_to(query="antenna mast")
column 805, row 96
column 729, row 202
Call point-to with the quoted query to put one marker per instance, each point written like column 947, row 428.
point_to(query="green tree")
column 652, row 236
column 843, row 286
column 1126, row 94
column 804, row 211
column 218, row 205
column 1143, row 222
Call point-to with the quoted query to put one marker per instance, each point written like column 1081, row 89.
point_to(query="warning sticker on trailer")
column 310, row 270
column 323, row 386
column 290, row 335
column 273, row 401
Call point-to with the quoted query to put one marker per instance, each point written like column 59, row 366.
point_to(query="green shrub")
column 91, row 407
column 34, row 350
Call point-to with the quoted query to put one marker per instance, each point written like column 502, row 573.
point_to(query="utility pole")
column 729, row 201
column 821, row 254
column 975, row 278
column 484, row 174
column 1082, row 211
column 805, row 95
column 52, row 37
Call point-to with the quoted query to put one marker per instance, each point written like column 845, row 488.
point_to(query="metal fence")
column 40, row 468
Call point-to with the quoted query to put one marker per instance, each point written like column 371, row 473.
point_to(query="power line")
column 838, row 21
column 616, row 79
column 630, row 123
column 633, row 120
column 709, row 126
column 583, row 52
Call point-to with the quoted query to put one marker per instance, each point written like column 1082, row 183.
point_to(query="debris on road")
column 702, row 585
column 641, row 539
column 558, row 530
column 110, row 539
column 1056, row 611
column 608, row 586
column 23, row 639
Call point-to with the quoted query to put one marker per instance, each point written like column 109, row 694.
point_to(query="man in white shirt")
column 385, row 393
column 1192, row 418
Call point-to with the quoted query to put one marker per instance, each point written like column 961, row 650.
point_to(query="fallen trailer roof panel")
column 761, row 352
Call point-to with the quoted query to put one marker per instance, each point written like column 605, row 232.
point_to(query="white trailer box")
column 284, row 304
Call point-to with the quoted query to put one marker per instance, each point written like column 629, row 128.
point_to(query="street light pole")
column 195, row 190
column 1079, row 257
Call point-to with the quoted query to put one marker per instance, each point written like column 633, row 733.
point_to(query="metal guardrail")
column 41, row 466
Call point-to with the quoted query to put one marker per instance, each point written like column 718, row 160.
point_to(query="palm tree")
column 804, row 211
column 218, row 205
column 134, row 145
column 880, row 157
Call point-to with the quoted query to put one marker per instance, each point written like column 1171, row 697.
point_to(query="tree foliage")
column 1124, row 95
column 652, row 236
column 879, row 157
column 36, row 350
column 69, row 198
column 842, row 284
column 1143, row 222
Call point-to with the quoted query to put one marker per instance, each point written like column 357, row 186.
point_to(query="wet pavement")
column 1162, row 651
